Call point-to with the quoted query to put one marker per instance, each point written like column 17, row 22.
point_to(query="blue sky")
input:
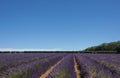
column 58, row 24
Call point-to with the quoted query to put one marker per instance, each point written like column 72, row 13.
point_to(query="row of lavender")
column 65, row 69
column 9, row 60
column 99, row 65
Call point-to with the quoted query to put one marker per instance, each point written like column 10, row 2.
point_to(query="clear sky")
column 58, row 24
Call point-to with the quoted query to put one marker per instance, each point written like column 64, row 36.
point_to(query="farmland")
column 59, row 65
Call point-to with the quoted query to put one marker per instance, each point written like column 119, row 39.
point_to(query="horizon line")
column 12, row 49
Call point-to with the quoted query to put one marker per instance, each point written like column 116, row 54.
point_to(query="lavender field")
column 59, row 65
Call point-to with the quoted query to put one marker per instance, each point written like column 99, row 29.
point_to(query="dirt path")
column 76, row 68
column 50, row 69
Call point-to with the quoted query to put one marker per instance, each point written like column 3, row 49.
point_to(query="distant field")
column 59, row 65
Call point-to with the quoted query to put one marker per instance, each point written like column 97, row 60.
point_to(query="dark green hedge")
column 112, row 46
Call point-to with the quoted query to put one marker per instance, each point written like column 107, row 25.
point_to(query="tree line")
column 112, row 46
